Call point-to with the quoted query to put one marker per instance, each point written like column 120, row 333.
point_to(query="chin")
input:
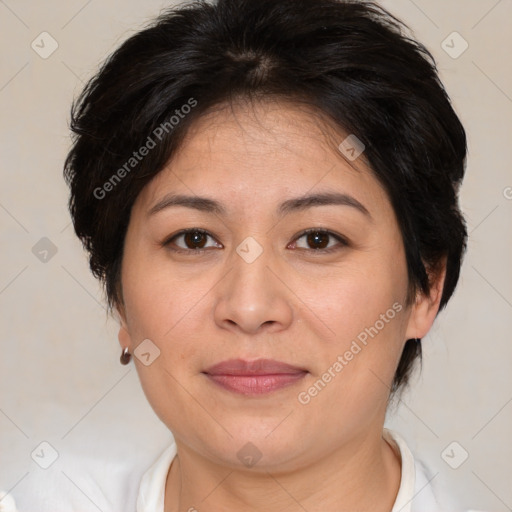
column 256, row 444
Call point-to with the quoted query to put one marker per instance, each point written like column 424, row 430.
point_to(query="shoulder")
column 419, row 490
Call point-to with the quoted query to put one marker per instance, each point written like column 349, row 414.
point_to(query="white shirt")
column 112, row 485
column 415, row 494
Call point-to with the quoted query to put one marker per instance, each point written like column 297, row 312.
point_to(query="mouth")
column 258, row 377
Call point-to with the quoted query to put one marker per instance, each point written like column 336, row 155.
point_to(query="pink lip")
column 254, row 377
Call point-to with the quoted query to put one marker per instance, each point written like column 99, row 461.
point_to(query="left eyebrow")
column 323, row 199
column 208, row 205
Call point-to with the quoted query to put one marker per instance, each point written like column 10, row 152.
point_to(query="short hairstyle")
column 351, row 61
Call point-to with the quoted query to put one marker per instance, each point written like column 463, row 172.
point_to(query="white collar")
column 414, row 494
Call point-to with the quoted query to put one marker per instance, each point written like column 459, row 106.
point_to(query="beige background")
column 60, row 379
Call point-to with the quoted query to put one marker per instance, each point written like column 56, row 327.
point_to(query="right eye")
column 194, row 240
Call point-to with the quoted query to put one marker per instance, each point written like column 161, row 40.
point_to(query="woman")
column 268, row 191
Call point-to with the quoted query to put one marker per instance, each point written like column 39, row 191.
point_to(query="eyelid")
column 341, row 239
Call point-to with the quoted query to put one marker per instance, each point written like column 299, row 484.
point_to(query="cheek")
column 159, row 310
column 358, row 366
column 156, row 299
column 168, row 309
column 365, row 308
column 354, row 297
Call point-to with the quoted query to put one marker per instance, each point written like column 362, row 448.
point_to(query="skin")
column 289, row 304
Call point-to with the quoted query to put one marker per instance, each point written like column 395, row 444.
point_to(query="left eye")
column 319, row 239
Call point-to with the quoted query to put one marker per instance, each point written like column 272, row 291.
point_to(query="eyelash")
column 343, row 242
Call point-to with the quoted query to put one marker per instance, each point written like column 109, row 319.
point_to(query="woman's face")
column 330, row 304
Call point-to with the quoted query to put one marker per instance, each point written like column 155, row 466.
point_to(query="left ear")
column 425, row 307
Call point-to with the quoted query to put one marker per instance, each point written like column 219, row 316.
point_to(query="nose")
column 253, row 296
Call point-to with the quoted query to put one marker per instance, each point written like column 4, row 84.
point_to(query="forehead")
column 261, row 153
column 267, row 130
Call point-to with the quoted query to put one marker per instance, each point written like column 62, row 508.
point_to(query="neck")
column 363, row 476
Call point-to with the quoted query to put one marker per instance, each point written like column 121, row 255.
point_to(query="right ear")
column 123, row 335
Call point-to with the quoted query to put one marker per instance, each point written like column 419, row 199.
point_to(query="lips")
column 257, row 367
column 254, row 377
